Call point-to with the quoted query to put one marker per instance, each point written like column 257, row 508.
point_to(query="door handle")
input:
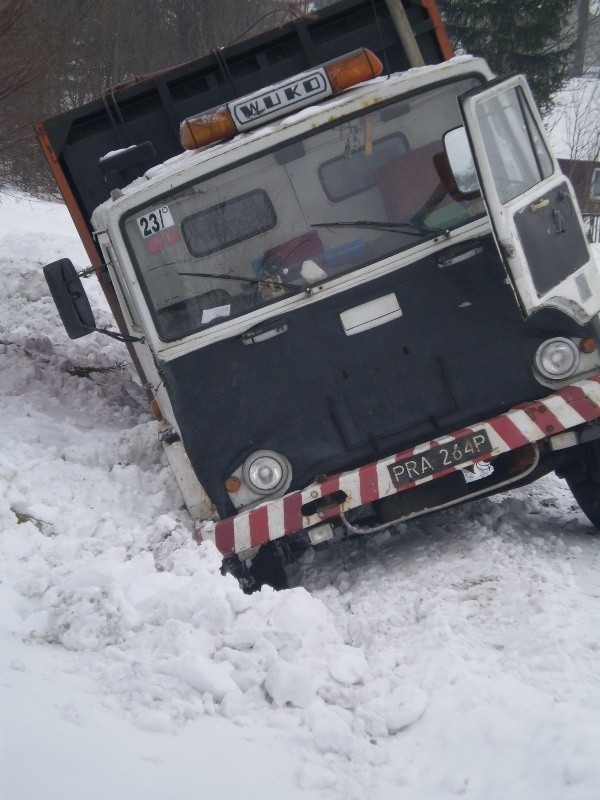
column 263, row 332
column 460, row 254
column 559, row 222
column 540, row 204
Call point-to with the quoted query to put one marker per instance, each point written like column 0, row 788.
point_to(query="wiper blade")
column 255, row 281
column 400, row 227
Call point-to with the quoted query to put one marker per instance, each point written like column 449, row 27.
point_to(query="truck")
column 356, row 290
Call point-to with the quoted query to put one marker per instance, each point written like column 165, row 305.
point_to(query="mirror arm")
column 85, row 273
column 120, row 337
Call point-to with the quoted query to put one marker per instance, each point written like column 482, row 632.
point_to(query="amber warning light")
column 280, row 99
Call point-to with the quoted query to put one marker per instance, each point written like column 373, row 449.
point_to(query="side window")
column 518, row 156
column 542, row 156
column 352, row 173
column 228, row 223
column 111, row 259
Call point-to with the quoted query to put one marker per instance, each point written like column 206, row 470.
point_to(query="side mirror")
column 70, row 298
column 461, row 165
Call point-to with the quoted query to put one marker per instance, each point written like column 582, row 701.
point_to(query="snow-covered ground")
column 458, row 658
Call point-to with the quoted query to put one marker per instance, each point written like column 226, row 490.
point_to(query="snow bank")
column 458, row 659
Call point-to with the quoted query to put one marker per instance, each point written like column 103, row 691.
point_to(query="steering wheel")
column 212, row 299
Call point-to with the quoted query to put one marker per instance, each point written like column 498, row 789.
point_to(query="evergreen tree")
column 526, row 36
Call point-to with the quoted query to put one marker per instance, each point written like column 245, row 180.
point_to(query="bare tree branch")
column 574, row 120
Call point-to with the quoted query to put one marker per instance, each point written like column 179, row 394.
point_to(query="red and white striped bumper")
column 529, row 422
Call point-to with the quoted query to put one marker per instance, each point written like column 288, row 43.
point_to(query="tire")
column 584, row 482
column 268, row 568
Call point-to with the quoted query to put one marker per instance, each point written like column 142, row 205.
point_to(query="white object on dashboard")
column 312, row 272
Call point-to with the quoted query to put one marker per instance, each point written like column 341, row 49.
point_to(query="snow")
column 113, row 153
column 458, row 657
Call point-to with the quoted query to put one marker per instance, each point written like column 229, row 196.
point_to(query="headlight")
column 557, row 359
column 266, row 472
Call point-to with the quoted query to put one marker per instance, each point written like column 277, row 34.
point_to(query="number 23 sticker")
column 154, row 221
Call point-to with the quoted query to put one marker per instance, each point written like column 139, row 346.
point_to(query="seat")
column 410, row 184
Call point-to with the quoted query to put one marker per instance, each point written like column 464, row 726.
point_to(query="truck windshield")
column 333, row 202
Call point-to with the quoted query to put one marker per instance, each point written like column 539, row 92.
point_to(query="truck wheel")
column 584, row 482
column 268, row 568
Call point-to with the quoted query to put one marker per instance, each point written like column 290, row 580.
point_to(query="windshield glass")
column 339, row 199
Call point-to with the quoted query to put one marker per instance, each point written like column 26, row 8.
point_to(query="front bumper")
column 534, row 421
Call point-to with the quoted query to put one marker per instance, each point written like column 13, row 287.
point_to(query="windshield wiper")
column 255, row 281
column 401, row 227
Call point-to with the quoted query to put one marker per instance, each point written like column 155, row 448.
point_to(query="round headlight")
column 266, row 472
column 557, row 359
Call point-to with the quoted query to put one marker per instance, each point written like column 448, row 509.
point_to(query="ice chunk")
column 150, row 719
column 347, row 665
column 331, row 732
column 201, row 674
column 404, row 706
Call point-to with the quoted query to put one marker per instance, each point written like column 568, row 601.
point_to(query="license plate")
column 440, row 458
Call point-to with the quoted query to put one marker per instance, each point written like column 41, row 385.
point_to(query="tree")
column 57, row 54
column 583, row 16
column 575, row 134
column 19, row 67
column 525, row 37
column 573, row 123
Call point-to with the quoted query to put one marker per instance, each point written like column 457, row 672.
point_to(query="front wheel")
column 266, row 568
column 584, row 481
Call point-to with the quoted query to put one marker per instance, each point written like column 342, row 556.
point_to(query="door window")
column 518, row 156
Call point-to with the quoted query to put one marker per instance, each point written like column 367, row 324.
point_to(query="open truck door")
column 534, row 214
